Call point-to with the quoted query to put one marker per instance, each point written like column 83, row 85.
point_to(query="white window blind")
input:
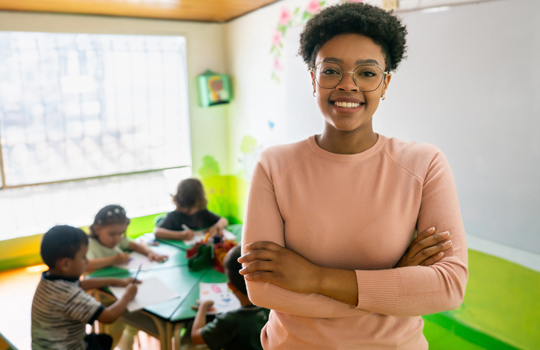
column 80, row 106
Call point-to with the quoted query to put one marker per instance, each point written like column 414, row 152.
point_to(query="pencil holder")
column 200, row 256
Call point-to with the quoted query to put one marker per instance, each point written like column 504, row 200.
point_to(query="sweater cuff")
column 378, row 291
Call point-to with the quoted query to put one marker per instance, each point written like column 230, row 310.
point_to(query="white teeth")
column 346, row 104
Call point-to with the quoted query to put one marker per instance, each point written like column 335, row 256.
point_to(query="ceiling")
column 189, row 10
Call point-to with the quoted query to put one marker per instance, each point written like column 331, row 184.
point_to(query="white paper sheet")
column 151, row 291
column 223, row 298
column 136, row 260
column 199, row 236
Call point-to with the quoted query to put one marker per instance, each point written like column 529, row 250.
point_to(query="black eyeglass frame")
column 343, row 74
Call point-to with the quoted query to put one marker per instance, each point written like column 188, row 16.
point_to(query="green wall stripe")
column 468, row 333
column 24, row 251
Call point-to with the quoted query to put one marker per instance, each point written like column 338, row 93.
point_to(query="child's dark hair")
column 385, row 29
column 109, row 215
column 189, row 194
column 232, row 266
column 61, row 241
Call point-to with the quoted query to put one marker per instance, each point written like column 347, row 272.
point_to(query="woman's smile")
column 347, row 104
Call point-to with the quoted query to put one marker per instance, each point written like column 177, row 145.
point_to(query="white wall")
column 470, row 86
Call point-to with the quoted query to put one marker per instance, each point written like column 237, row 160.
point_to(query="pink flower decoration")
column 277, row 38
column 313, row 7
column 285, row 16
column 277, row 65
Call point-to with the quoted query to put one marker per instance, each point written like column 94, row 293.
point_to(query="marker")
column 137, row 274
column 184, row 226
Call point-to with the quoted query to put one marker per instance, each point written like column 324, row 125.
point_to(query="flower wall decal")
column 288, row 19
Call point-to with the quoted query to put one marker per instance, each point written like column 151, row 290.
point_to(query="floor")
column 16, row 292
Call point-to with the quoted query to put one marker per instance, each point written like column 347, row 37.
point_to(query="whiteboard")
column 470, row 86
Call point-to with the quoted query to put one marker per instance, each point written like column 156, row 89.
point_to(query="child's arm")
column 95, row 283
column 111, row 314
column 200, row 322
column 99, row 263
column 218, row 226
column 144, row 249
column 164, row 233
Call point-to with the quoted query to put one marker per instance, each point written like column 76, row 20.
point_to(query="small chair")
column 158, row 219
column 5, row 344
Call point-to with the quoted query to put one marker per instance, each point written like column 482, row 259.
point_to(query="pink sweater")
column 356, row 212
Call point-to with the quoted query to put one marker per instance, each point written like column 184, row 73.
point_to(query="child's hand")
column 205, row 305
column 157, row 257
column 187, row 234
column 215, row 231
column 121, row 258
column 131, row 292
column 124, row 282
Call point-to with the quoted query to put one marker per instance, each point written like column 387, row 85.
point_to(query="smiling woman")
column 329, row 234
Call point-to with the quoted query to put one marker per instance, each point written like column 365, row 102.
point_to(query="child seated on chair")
column 61, row 307
column 107, row 246
column 234, row 330
column 190, row 214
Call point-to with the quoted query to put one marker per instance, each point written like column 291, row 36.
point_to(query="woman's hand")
column 157, row 257
column 121, row 258
column 270, row 262
column 426, row 249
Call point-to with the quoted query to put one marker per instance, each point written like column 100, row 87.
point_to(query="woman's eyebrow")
column 338, row 60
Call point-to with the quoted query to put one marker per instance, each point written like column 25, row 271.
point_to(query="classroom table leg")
column 177, row 338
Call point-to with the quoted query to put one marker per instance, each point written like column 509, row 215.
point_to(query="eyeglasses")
column 367, row 77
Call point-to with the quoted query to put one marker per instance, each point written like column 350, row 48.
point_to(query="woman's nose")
column 347, row 83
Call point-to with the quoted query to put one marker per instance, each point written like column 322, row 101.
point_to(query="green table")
column 165, row 320
column 234, row 229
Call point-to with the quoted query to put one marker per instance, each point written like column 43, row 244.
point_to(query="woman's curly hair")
column 385, row 29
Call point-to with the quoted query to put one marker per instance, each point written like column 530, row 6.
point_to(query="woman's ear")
column 386, row 82
column 313, row 81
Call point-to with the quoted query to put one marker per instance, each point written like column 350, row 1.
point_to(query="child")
column 239, row 329
column 61, row 308
column 106, row 247
column 190, row 214
column 108, row 242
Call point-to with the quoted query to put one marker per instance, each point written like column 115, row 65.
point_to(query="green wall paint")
column 440, row 338
column 24, row 251
column 226, row 196
column 502, row 300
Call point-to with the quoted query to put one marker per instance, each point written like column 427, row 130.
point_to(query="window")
column 79, row 105
column 78, row 109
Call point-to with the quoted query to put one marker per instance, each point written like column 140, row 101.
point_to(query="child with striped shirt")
column 61, row 307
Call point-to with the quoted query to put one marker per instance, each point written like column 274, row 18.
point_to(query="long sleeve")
column 263, row 222
column 418, row 290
